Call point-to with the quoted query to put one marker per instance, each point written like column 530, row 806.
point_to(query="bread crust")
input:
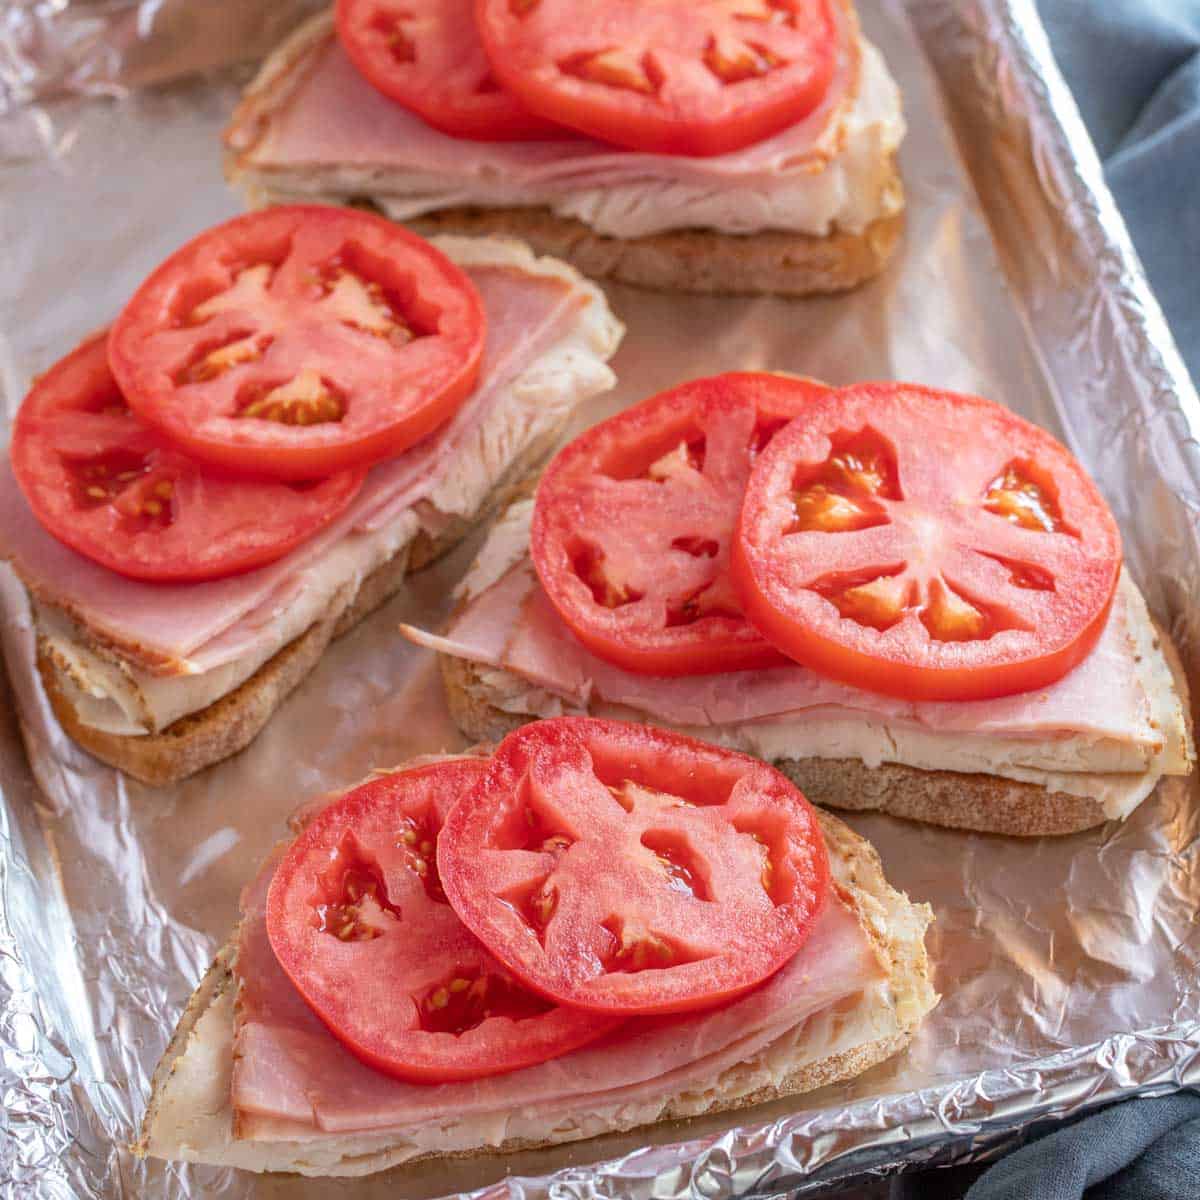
column 895, row 925
column 952, row 799
column 231, row 723
column 695, row 261
column 691, row 261
column 982, row 803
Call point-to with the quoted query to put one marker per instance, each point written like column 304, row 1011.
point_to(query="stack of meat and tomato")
column 908, row 599
column 700, row 145
column 291, row 411
column 596, row 927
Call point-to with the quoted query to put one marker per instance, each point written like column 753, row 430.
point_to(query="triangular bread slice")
column 189, row 1116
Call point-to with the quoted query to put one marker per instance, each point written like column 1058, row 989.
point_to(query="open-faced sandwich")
column 906, row 600
column 736, row 146
column 600, row 927
column 295, row 410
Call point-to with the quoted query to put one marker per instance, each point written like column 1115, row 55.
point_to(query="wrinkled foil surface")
column 1069, row 967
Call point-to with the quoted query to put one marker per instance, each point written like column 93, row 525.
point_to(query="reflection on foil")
column 113, row 896
column 107, row 47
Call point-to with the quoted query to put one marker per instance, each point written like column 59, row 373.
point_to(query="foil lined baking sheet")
column 1069, row 967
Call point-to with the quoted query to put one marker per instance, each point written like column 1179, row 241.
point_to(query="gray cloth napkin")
column 1140, row 1150
column 1134, row 66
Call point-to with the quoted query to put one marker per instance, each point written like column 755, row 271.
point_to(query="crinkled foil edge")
column 1004, row 90
column 961, row 1122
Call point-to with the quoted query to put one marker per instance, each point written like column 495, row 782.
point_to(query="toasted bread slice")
column 231, row 723
column 699, row 261
column 189, row 1116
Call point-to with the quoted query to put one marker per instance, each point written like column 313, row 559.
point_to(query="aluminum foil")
column 1070, row 967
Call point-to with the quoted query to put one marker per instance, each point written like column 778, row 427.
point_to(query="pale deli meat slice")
column 333, row 116
column 513, row 626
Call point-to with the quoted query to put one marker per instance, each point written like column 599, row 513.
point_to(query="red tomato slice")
column 695, row 77
column 925, row 545
column 358, row 920
column 634, row 519
column 300, row 341
column 426, row 55
column 108, row 486
column 624, row 869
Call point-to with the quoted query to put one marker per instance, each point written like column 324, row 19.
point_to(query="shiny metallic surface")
column 1070, row 968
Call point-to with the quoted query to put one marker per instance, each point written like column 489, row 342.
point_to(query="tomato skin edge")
column 825, row 887
column 529, row 127
column 288, row 464
column 422, row 1072
column 683, row 662
column 901, row 680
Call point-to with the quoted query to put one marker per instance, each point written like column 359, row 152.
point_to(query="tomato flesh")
column 627, row 870
column 692, row 77
column 108, row 486
column 634, row 520
column 426, row 55
column 357, row 918
column 299, row 341
column 926, row 545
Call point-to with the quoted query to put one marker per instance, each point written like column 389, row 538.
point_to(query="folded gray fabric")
column 1140, row 1150
column 1134, row 66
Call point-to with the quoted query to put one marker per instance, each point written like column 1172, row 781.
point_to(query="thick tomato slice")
column 695, row 77
column 925, row 545
column 634, row 520
column 300, row 341
column 624, row 869
column 108, row 486
column 357, row 918
column 426, row 55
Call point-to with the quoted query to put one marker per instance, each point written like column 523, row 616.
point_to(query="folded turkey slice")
column 1110, row 728
column 311, row 125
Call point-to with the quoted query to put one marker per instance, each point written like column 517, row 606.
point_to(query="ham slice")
column 186, row 628
column 334, row 116
column 289, row 1068
column 512, row 626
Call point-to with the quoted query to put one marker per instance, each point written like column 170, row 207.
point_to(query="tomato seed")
column 543, row 905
